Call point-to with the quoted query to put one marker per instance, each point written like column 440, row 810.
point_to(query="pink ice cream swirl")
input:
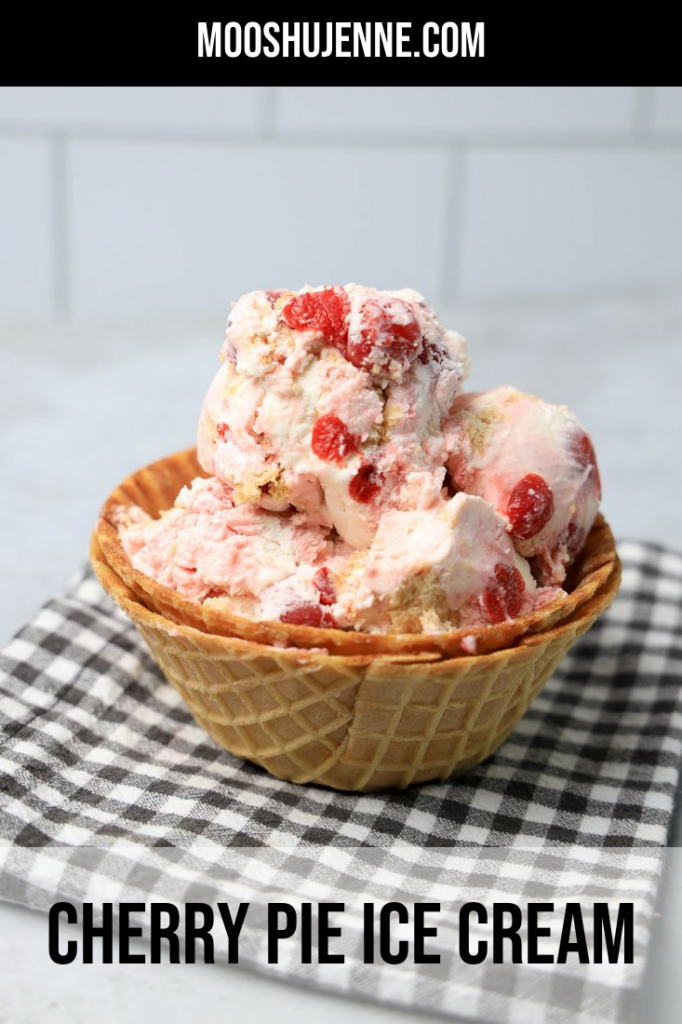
column 332, row 401
column 535, row 464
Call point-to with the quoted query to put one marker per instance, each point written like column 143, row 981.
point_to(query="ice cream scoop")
column 206, row 546
column 353, row 484
column 535, row 464
column 332, row 401
column 438, row 569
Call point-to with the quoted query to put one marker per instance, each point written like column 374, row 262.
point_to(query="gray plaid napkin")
column 110, row 792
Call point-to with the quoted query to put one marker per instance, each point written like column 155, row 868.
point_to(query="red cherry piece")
column 582, row 450
column 358, row 352
column 389, row 331
column 223, row 431
column 325, row 311
column 332, row 440
column 308, row 614
column 431, row 353
column 512, row 584
column 303, row 615
column 493, row 604
column 504, row 597
column 323, row 582
column 365, row 484
column 530, row 506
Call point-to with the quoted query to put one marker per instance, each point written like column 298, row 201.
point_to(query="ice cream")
column 425, row 571
column 435, row 569
column 207, row 547
column 332, row 401
column 353, row 484
column 535, row 464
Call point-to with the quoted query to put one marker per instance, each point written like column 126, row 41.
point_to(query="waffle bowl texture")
column 155, row 487
column 365, row 715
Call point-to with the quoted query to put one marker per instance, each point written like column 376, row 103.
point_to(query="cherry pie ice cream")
column 352, row 482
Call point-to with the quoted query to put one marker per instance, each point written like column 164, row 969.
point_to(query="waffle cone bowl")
column 352, row 711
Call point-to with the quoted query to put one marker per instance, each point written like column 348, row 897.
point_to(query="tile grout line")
column 268, row 111
column 267, row 135
column 453, row 220
column 61, row 285
column 643, row 113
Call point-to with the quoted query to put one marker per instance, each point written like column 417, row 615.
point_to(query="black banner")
column 475, row 45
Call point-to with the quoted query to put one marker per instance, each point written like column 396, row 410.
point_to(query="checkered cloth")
column 110, row 792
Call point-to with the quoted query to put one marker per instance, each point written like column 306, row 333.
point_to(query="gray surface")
column 82, row 407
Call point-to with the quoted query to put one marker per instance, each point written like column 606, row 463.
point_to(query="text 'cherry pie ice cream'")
column 352, row 483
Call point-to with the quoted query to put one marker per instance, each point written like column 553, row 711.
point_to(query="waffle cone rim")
column 217, row 645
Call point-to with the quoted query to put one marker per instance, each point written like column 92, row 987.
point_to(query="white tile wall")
column 26, row 249
column 184, row 229
column 458, row 111
column 197, row 109
column 668, row 109
column 126, row 201
column 544, row 221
